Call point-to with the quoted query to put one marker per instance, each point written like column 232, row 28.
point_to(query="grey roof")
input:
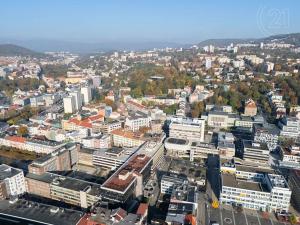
column 40, row 213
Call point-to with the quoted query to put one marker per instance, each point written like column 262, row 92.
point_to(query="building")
column 111, row 158
column 220, row 119
column 294, row 183
column 60, row 160
column 123, row 138
column 138, row 120
column 250, row 108
column 290, row 127
column 169, row 182
column 183, row 205
column 187, row 128
column 290, row 158
column 97, row 142
column 77, row 98
column 271, row 193
column 226, row 146
column 86, row 92
column 12, row 181
column 31, row 144
column 183, row 148
column 65, row 189
column 256, row 153
column 69, row 104
column 29, row 212
column 128, row 181
column 106, row 127
column 267, row 133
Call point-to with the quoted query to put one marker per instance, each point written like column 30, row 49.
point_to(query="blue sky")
column 184, row 21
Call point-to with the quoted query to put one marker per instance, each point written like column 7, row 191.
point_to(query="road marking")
column 258, row 218
column 233, row 216
column 271, row 221
column 245, row 217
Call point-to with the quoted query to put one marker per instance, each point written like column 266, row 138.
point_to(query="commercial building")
column 290, row 127
column 86, row 92
column 65, row 189
column 138, row 120
column 169, row 182
column 12, row 181
column 97, row 142
column 111, row 158
column 29, row 212
column 69, row 104
column 256, row 153
column 270, row 193
column 187, row 128
column 31, row 144
column 128, row 181
column 123, row 138
column 290, row 158
column 60, row 160
column 77, row 99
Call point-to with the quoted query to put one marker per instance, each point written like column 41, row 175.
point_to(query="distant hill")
column 286, row 38
column 15, row 50
column 224, row 42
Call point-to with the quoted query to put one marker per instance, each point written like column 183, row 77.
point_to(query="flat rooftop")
column 7, row 171
column 39, row 213
column 230, row 180
column 124, row 176
column 177, row 141
column 254, row 169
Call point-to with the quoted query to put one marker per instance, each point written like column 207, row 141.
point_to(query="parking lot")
column 226, row 215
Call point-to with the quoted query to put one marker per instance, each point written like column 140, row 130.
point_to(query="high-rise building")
column 77, row 98
column 86, row 92
column 69, row 104
column 208, row 63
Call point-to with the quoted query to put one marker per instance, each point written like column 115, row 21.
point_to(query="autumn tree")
column 22, row 131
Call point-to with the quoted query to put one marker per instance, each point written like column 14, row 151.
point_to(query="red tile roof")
column 16, row 139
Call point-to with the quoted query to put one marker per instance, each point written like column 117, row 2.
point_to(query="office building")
column 77, row 98
column 270, row 193
column 187, row 128
column 86, row 92
column 12, row 181
column 69, row 104
column 256, row 153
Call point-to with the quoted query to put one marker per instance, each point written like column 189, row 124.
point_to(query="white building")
column 207, row 63
column 169, row 183
column 187, row 128
column 290, row 127
column 86, row 92
column 69, row 104
column 13, row 179
column 77, row 98
column 270, row 193
column 137, row 120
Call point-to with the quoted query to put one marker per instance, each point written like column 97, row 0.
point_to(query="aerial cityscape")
column 150, row 112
